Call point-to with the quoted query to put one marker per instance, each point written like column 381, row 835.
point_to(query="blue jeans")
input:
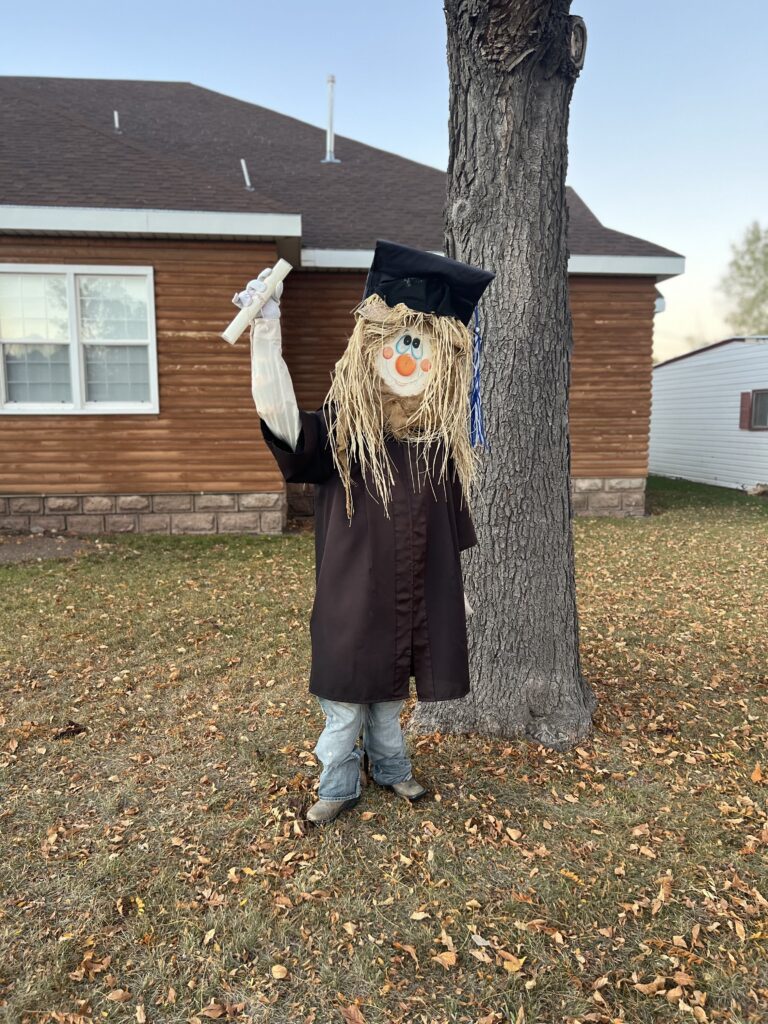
column 340, row 755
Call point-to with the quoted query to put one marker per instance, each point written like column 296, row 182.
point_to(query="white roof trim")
column 653, row 266
column 81, row 219
column 351, row 259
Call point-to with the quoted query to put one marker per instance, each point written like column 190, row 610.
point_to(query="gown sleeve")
column 465, row 528
column 311, row 462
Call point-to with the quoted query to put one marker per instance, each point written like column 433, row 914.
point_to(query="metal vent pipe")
column 329, row 156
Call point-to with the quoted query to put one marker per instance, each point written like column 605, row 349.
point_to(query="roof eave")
column 81, row 220
column 658, row 267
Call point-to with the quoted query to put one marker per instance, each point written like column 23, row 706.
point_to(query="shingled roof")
column 180, row 147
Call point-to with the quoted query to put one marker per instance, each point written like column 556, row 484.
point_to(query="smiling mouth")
column 398, row 382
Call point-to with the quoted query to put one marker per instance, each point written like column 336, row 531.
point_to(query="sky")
column 667, row 133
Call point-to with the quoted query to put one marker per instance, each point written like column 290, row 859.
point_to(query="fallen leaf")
column 118, row 995
column 650, row 988
column 481, row 955
column 352, row 1014
column 512, row 963
column 410, row 950
column 214, row 1011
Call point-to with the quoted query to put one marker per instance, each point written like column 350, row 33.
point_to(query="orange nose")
column 405, row 365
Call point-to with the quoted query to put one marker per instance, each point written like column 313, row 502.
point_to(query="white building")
column 709, row 414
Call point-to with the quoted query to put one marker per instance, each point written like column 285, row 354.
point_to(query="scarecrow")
column 392, row 458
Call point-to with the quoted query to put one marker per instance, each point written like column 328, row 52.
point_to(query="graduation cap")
column 425, row 281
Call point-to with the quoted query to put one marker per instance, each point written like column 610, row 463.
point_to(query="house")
column 709, row 419
column 131, row 211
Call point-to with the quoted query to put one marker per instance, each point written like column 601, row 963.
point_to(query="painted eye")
column 403, row 343
column 416, row 346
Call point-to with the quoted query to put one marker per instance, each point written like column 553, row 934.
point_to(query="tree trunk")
column 513, row 64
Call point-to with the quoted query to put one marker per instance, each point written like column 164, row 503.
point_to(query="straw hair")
column 362, row 413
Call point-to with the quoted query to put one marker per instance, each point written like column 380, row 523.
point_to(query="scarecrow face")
column 405, row 362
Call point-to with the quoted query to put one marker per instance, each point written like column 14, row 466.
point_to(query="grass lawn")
column 156, row 760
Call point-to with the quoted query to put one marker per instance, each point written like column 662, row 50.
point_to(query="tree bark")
column 513, row 64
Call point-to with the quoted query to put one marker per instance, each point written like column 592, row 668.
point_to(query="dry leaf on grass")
column 118, row 995
column 410, row 950
column 352, row 1014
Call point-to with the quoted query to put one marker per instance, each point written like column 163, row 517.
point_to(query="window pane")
column 33, row 307
column 113, row 308
column 760, row 410
column 37, row 373
column 116, row 373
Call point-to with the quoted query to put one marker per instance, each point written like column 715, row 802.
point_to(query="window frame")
column 753, row 410
column 79, row 406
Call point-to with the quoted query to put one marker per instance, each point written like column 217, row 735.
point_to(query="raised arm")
column 271, row 384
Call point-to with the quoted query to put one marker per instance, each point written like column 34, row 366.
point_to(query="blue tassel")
column 476, row 425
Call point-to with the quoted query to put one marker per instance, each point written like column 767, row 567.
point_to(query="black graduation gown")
column 389, row 600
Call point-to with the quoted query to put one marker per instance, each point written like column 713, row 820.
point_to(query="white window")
column 77, row 339
column 759, row 409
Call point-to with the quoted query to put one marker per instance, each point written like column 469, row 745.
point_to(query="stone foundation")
column 608, row 496
column 591, row 496
column 144, row 513
column 83, row 514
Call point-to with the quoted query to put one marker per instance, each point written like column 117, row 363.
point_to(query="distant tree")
column 745, row 284
column 513, row 64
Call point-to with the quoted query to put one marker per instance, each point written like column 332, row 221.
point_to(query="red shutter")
column 745, row 412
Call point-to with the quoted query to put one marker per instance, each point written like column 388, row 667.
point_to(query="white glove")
column 271, row 308
column 271, row 384
column 467, row 606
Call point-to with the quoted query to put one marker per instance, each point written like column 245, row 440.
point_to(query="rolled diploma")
column 280, row 271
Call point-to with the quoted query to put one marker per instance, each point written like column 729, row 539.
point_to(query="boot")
column 324, row 811
column 409, row 789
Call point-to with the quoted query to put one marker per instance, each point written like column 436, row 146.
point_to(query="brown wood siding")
column 206, row 436
column 317, row 323
column 610, row 395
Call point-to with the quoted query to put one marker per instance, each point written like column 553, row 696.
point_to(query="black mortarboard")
column 425, row 281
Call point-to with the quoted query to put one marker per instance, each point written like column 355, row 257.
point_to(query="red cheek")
column 426, row 365
column 387, row 352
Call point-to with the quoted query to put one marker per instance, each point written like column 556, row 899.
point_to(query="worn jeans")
column 340, row 755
